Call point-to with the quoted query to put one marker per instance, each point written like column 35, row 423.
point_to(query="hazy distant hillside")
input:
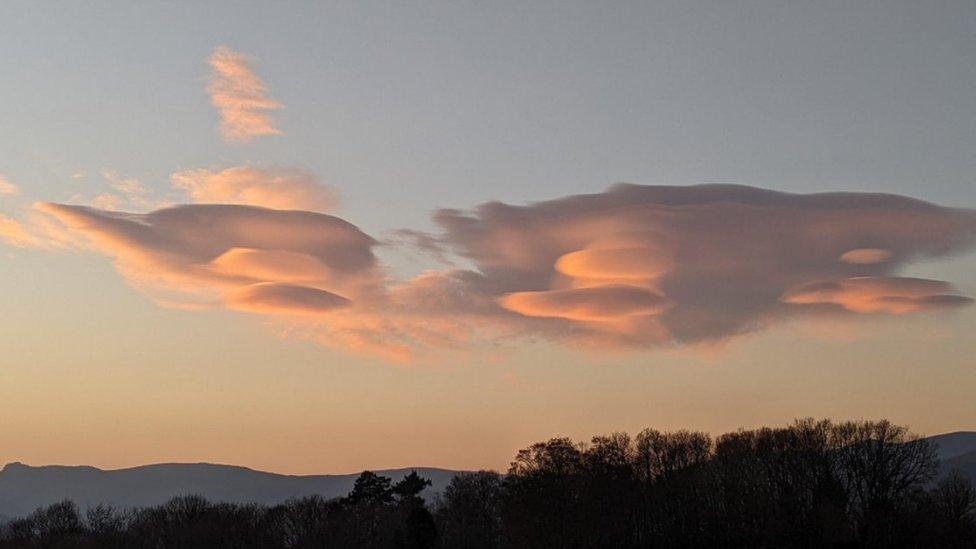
column 957, row 451
column 24, row 488
column 951, row 445
column 965, row 464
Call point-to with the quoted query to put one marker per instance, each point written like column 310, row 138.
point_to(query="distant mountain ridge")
column 24, row 488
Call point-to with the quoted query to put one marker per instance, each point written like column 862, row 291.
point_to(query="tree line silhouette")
column 810, row 484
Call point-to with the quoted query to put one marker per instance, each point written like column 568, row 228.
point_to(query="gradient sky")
column 386, row 113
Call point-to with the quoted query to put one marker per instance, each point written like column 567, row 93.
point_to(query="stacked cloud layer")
column 634, row 266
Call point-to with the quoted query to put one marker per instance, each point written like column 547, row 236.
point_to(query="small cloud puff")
column 272, row 188
column 127, row 192
column 240, row 97
column 13, row 233
column 866, row 256
column 7, row 186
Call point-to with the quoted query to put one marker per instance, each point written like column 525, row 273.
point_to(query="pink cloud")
column 587, row 304
column 891, row 295
column 14, row 234
column 866, row 256
column 271, row 188
column 279, row 298
column 631, row 267
column 240, row 97
column 200, row 251
column 721, row 256
column 314, row 272
column 35, row 230
column 128, row 189
column 7, row 186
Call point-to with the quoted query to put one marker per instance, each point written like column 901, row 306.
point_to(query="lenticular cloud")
column 646, row 265
column 208, row 254
column 631, row 267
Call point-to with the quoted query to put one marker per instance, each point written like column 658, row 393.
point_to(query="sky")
column 314, row 237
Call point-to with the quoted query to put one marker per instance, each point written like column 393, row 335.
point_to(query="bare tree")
column 880, row 464
column 956, row 498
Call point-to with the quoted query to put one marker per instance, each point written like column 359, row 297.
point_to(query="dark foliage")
column 376, row 514
column 811, row 484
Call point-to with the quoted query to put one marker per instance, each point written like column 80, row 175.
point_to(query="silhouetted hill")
column 950, row 445
column 956, row 451
column 965, row 464
column 24, row 488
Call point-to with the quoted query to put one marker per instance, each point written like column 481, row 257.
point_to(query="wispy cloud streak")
column 272, row 188
column 240, row 96
column 7, row 186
